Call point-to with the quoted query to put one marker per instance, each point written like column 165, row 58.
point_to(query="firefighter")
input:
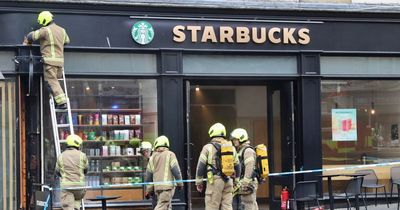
column 163, row 168
column 219, row 189
column 145, row 149
column 247, row 185
column 52, row 39
column 72, row 166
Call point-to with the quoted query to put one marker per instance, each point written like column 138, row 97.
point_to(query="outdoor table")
column 330, row 189
column 103, row 200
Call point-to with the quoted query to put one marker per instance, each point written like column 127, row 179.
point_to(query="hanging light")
column 372, row 108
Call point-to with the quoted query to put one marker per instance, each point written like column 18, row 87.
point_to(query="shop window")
column 8, row 166
column 364, row 66
column 239, row 65
column 6, row 61
column 108, row 114
column 110, row 63
column 360, row 124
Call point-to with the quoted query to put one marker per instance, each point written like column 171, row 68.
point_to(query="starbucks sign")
column 142, row 32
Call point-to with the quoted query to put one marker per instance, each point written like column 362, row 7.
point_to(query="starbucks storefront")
column 135, row 74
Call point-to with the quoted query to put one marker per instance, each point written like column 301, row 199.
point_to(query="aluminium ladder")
column 56, row 126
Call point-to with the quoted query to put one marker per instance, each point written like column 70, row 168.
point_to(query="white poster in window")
column 344, row 124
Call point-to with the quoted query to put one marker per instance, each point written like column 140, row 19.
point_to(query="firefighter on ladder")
column 247, row 185
column 52, row 39
column 163, row 168
column 219, row 187
column 72, row 166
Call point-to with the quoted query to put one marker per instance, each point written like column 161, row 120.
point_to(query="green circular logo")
column 142, row 32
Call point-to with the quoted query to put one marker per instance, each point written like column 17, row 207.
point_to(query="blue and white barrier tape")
column 334, row 169
column 129, row 185
column 271, row 174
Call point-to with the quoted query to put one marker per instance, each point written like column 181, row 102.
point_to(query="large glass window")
column 8, row 157
column 110, row 63
column 239, row 65
column 6, row 62
column 363, row 66
column 107, row 114
column 360, row 123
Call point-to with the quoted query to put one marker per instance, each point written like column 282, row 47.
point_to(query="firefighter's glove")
column 245, row 182
column 26, row 42
column 149, row 195
column 199, row 188
column 179, row 187
column 247, row 190
column 236, row 184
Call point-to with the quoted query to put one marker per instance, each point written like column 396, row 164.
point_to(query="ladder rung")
column 61, row 110
column 61, row 79
column 62, row 141
column 63, row 125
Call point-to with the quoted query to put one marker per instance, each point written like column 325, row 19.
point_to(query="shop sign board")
column 344, row 124
column 241, row 34
column 142, row 32
column 221, row 33
column 42, row 200
column 158, row 33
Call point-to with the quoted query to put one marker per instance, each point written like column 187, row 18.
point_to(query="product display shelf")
column 106, row 132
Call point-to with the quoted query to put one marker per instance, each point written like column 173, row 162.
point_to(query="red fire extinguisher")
column 285, row 199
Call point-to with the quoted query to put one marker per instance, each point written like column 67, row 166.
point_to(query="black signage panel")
column 126, row 32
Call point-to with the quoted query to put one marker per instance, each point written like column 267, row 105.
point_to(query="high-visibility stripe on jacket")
column 52, row 39
column 247, row 156
column 163, row 167
column 71, row 164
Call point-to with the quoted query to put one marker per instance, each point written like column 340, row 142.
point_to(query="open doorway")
column 265, row 110
column 235, row 107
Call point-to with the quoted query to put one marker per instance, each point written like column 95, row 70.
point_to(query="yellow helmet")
column 240, row 134
column 217, row 130
column 161, row 141
column 45, row 18
column 74, row 141
column 146, row 145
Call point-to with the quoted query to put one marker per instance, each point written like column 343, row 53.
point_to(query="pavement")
column 370, row 206
column 392, row 206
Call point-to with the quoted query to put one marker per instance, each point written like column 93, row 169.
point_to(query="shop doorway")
column 265, row 110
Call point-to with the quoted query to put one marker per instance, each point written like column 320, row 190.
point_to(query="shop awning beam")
column 226, row 19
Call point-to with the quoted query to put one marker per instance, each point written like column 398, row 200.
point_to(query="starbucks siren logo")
column 142, row 32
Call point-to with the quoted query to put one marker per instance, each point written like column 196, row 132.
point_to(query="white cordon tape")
column 126, row 185
column 271, row 174
column 335, row 169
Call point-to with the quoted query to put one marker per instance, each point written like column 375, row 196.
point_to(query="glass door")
column 280, row 97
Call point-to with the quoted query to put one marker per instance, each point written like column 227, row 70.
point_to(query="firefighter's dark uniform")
column 52, row 39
